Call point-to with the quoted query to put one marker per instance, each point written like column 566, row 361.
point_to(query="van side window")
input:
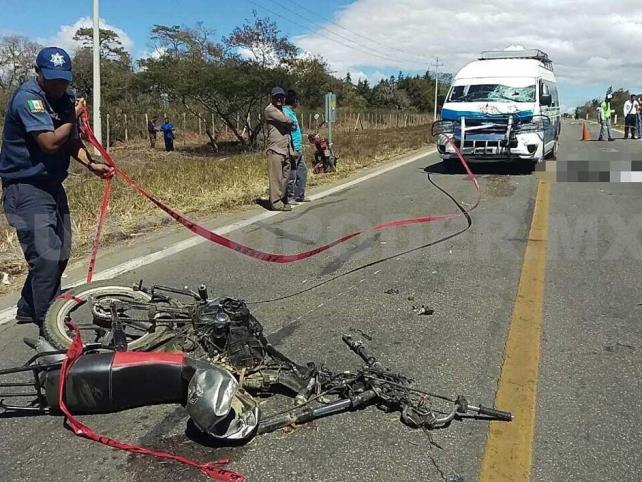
column 549, row 88
column 543, row 89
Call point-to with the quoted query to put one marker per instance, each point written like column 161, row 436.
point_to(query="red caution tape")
column 211, row 469
column 200, row 230
column 67, row 296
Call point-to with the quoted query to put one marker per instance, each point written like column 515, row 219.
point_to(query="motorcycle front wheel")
column 82, row 305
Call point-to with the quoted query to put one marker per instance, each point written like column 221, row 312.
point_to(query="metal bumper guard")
column 500, row 139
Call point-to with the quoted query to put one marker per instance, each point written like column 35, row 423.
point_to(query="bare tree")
column 17, row 58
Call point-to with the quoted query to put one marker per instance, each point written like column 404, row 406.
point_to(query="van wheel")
column 552, row 155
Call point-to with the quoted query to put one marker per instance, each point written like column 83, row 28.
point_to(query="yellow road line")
column 508, row 454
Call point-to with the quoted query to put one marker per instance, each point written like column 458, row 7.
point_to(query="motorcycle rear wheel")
column 57, row 333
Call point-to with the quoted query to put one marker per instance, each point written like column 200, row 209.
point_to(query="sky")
column 593, row 44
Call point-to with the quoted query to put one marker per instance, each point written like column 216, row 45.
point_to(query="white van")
column 502, row 107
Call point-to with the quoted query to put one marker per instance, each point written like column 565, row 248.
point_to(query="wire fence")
column 129, row 127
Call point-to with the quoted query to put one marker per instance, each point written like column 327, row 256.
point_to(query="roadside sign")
column 330, row 107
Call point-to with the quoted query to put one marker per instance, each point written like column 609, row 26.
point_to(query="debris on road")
column 423, row 310
column 392, row 291
column 226, row 362
column 361, row 332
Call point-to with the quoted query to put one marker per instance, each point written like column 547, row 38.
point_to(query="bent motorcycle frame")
column 38, row 405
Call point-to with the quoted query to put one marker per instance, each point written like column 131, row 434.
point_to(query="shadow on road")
column 506, row 168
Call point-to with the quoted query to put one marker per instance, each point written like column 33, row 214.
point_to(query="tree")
column 111, row 47
column 115, row 67
column 261, row 42
column 226, row 79
column 17, row 58
column 311, row 79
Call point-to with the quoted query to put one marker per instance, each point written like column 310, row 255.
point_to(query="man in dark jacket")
column 38, row 139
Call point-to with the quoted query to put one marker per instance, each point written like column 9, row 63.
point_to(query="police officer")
column 38, row 139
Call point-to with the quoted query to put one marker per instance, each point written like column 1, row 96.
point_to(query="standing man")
column 298, row 170
column 279, row 150
column 631, row 108
column 639, row 117
column 38, row 139
column 168, row 134
column 605, row 119
column 151, row 131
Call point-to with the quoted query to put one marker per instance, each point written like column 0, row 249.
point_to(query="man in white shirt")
column 631, row 109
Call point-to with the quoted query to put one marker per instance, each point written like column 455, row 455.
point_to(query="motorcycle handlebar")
column 495, row 414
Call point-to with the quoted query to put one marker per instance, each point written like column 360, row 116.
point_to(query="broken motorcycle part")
column 222, row 333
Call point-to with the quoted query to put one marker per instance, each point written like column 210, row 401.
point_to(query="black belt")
column 40, row 182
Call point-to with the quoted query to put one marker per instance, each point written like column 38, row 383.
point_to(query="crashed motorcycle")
column 225, row 363
column 324, row 158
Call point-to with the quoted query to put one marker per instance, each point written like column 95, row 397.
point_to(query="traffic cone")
column 586, row 134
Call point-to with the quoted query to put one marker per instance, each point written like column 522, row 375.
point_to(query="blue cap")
column 54, row 63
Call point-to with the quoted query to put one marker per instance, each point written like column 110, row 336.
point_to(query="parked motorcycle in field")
column 324, row 158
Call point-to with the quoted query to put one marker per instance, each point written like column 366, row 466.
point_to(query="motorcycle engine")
column 227, row 329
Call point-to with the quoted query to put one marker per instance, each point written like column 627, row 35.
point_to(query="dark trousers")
column 40, row 214
column 152, row 139
column 169, row 144
column 298, row 179
column 630, row 122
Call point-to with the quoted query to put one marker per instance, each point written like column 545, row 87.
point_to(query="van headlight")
column 537, row 123
column 442, row 127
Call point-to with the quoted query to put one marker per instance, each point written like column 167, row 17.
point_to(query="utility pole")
column 96, row 86
column 436, row 64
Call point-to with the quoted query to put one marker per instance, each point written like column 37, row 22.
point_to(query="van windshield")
column 492, row 93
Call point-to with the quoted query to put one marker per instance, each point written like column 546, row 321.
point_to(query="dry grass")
column 194, row 180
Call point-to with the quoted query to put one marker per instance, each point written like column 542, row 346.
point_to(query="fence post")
column 126, row 137
column 107, row 131
column 213, row 130
column 183, row 122
column 146, row 123
column 199, row 124
column 615, row 120
column 310, row 121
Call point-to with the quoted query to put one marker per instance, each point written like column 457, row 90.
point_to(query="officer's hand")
column 80, row 106
column 101, row 170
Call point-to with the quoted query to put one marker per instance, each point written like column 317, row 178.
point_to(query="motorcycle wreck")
column 219, row 363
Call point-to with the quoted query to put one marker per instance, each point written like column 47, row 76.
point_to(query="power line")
column 368, row 48
column 354, row 47
column 356, row 34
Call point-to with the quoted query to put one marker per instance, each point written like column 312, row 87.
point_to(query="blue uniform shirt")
column 30, row 111
column 296, row 135
column 167, row 128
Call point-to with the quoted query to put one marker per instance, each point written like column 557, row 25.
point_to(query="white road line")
column 9, row 314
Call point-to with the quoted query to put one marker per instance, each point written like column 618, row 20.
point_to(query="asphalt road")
column 587, row 418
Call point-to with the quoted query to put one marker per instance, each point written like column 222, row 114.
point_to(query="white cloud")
column 591, row 44
column 64, row 38
column 156, row 53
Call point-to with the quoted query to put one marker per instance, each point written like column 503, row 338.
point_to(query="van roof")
column 518, row 54
column 510, row 67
